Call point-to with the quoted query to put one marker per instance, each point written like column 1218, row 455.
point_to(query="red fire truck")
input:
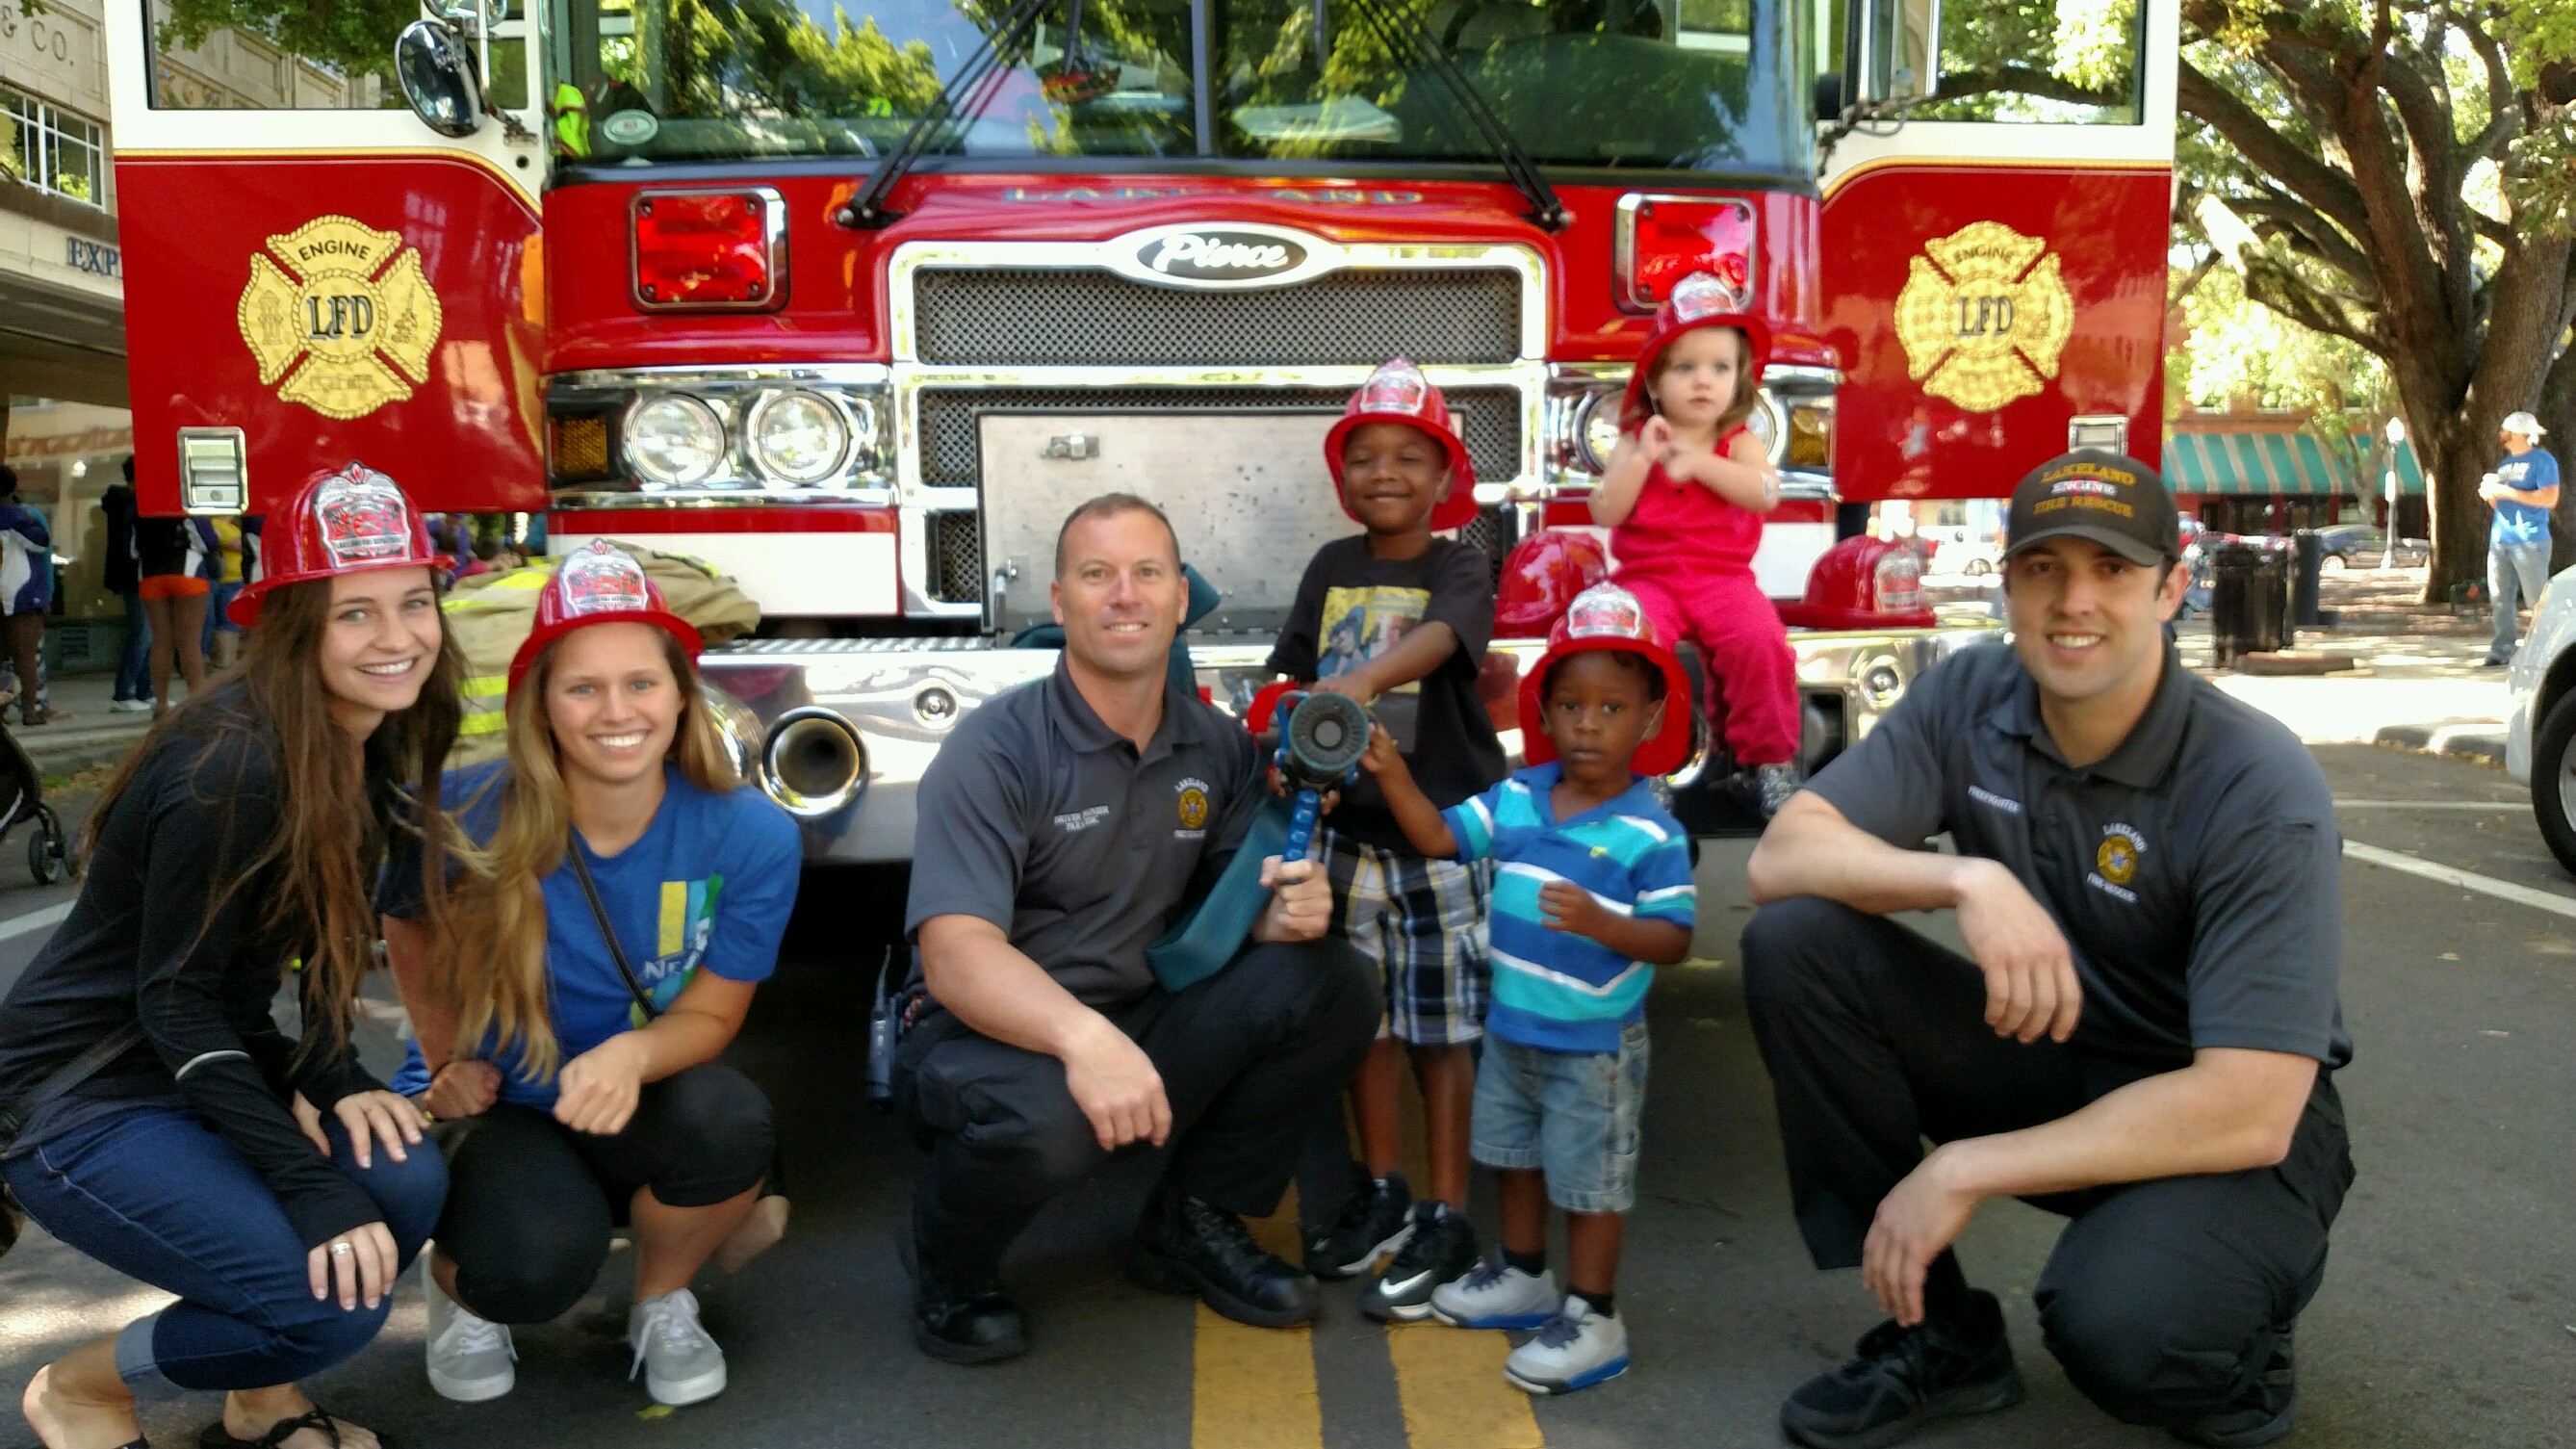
column 855, row 308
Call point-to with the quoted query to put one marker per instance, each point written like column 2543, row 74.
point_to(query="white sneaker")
column 470, row 1359
column 1574, row 1350
column 1493, row 1295
column 130, row 706
column 681, row 1364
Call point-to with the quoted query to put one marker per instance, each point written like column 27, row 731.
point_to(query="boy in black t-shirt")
column 1399, row 620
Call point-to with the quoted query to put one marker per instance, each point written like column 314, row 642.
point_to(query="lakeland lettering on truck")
column 856, row 309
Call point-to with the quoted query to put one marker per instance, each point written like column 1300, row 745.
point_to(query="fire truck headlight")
column 1596, row 428
column 799, row 437
column 1764, row 422
column 675, row 440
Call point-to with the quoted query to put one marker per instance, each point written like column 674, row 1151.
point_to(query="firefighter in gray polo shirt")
column 2144, row 1032
column 1062, row 829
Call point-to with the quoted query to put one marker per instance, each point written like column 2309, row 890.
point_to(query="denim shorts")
column 1572, row 1115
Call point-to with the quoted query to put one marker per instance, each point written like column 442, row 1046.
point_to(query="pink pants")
column 1743, row 649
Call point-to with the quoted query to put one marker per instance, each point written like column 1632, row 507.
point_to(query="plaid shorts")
column 1423, row 923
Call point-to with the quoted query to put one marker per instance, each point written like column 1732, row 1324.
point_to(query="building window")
column 52, row 149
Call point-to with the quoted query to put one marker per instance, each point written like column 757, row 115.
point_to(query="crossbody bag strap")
column 599, row 913
column 70, row 1074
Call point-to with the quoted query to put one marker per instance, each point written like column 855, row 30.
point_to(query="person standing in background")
column 2522, row 490
column 171, row 554
column 124, row 580
column 219, row 639
column 26, row 592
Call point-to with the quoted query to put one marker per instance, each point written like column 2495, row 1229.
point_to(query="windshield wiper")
column 867, row 209
column 1412, row 33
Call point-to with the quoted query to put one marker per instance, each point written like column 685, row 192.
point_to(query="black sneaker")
column 1442, row 1247
column 1186, row 1246
column 1376, row 1221
column 970, row 1320
column 2269, row 1410
column 1903, row 1378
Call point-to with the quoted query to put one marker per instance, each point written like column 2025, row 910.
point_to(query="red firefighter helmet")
column 1698, row 300
column 344, row 521
column 599, row 583
column 1607, row 616
column 1542, row 576
column 1398, row 393
column 1863, row 583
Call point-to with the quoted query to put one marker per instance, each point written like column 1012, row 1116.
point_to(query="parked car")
column 2359, row 546
column 2540, row 724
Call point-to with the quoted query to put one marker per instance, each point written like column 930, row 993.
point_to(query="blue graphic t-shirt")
column 709, row 885
column 2530, row 472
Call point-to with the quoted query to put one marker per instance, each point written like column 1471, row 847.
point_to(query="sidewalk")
column 84, row 732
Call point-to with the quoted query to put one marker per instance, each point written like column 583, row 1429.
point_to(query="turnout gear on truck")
column 491, row 616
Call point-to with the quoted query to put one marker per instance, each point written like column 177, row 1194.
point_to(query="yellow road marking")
column 1451, row 1383
column 1254, row 1387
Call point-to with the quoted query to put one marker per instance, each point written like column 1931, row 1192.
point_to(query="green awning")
column 2251, row 465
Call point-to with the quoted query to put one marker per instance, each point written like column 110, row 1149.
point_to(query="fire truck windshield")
column 1691, row 85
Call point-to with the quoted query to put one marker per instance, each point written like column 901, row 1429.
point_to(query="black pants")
column 2163, row 1299
column 531, row 1203
column 1247, row 1057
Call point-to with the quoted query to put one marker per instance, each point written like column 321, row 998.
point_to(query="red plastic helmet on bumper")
column 1542, row 576
column 1863, row 583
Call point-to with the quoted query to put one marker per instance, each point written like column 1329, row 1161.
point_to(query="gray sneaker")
column 1494, row 1295
column 470, row 1359
column 1574, row 1350
column 681, row 1364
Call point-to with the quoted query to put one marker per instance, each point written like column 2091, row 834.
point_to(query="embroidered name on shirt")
column 1083, row 819
column 1984, row 796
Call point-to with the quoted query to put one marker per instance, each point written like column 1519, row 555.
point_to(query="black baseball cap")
column 2119, row 503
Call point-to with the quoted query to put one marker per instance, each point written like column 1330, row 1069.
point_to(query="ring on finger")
column 339, row 1249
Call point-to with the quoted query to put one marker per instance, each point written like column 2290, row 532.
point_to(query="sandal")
column 217, row 1437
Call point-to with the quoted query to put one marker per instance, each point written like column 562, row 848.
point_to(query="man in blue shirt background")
column 2522, row 490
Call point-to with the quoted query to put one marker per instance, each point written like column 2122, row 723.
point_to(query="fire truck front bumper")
column 840, row 731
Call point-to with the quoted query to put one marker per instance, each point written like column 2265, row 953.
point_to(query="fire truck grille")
column 956, row 558
column 1004, row 318
column 1489, row 418
column 1490, row 532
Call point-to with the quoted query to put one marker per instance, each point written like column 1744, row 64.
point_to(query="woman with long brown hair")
column 638, row 893
column 163, row 1124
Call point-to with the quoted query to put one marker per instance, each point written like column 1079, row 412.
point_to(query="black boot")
column 1185, row 1246
column 1903, row 1378
column 961, row 1317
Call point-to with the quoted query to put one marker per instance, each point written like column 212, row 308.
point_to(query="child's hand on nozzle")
column 1569, row 907
column 1382, row 755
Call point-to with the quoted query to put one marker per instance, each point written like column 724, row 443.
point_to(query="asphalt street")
column 2448, row 1315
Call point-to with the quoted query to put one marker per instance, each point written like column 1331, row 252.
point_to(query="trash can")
column 2308, row 553
column 2248, row 603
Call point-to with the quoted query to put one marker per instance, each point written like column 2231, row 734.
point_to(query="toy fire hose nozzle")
column 1319, row 750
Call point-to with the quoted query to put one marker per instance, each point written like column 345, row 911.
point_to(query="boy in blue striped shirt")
column 1592, row 891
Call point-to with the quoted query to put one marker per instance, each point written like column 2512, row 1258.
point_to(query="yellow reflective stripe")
column 491, row 723
column 485, row 684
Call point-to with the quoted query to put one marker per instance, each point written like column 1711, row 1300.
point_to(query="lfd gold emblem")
column 2117, row 858
column 352, row 305
column 1983, row 316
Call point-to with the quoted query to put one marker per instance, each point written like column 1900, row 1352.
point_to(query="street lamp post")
column 2396, row 440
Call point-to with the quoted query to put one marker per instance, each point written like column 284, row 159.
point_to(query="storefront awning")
column 2252, row 465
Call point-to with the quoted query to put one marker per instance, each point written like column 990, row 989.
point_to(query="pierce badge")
column 1983, row 317
column 343, row 314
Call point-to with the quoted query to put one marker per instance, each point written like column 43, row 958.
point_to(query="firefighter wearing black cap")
column 2142, row 1035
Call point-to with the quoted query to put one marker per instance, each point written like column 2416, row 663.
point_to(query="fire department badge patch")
column 342, row 314
column 1983, row 317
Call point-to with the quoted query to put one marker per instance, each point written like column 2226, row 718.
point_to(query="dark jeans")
column 2163, row 1299
column 1248, row 1058
column 533, row 1202
column 132, row 680
column 155, row 1194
